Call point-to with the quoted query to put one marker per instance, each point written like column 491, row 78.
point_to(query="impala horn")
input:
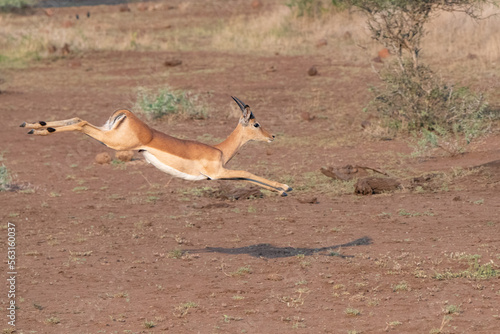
column 242, row 106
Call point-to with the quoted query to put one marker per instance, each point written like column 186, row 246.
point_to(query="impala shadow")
column 272, row 252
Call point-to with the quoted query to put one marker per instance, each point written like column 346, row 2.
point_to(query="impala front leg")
column 249, row 177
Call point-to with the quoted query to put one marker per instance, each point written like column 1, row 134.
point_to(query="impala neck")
column 232, row 144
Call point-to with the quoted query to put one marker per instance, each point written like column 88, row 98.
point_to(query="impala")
column 186, row 159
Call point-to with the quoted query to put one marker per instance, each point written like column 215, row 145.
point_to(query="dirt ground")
column 125, row 248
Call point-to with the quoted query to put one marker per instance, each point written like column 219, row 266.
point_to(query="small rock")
column 471, row 56
column 384, row 53
column 172, row 62
column 321, row 42
column 158, row 6
column 75, row 63
column 347, row 35
column 67, row 24
column 142, row 7
column 65, row 49
column 103, row 158
column 365, row 124
column 312, row 71
column 313, row 200
column 51, row 48
column 124, row 8
column 256, row 4
column 124, row 156
column 376, row 185
column 274, row 277
column 306, row 116
column 270, row 69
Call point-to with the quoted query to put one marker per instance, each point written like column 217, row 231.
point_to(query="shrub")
column 415, row 99
column 16, row 5
column 309, row 8
column 412, row 98
column 165, row 102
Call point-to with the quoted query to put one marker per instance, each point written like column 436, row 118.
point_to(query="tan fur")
column 187, row 159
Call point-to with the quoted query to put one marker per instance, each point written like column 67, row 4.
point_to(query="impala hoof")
column 31, row 132
column 23, row 125
column 284, row 190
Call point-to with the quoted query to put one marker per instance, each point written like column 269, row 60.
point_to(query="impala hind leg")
column 46, row 128
column 54, row 124
column 249, row 177
column 70, row 125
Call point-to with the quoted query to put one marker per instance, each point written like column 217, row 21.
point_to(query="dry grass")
column 455, row 36
column 279, row 31
column 450, row 36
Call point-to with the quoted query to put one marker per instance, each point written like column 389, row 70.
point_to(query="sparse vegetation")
column 149, row 324
column 401, row 286
column 475, row 271
column 404, row 213
column 416, row 100
column 318, row 183
column 16, row 5
column 52, row 321
column 242, row 271
column 128, row 226
column 238, row 297
column 452, row 309
column 394, row 323
column 308, row 8
column 183, row 309
column 228, row 318
column 446, row 320
column 413, row 98
column 352, row 312
column 5, row 178
column 175, row 254
column 80, row 189
column 167, row 102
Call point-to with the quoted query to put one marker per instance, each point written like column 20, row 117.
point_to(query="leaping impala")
column 186, row 159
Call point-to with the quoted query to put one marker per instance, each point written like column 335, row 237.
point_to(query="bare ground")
column 118, row 248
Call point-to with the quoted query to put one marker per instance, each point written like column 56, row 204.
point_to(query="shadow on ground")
column 271, row 252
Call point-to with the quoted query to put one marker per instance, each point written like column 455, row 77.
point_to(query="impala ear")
column 245, row 109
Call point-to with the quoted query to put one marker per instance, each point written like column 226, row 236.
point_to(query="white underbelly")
column 169, row 170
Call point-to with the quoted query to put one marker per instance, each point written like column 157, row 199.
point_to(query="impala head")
column 252, row 128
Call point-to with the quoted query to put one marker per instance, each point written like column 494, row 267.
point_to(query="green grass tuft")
column 166, row 102
column 5, row 178
column 475, row 271
column 15, row 5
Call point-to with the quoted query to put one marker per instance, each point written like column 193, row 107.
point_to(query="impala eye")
column 256, row 125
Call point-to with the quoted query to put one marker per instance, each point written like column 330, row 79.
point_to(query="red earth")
column 125, row 248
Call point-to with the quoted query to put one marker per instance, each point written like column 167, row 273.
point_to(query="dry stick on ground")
column 348, row 172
